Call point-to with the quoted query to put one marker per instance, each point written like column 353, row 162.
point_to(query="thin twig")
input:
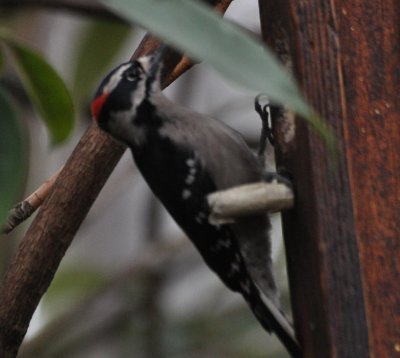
column 24, row 209
column 183, row 66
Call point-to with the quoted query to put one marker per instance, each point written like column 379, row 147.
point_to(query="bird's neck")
column 146, row 115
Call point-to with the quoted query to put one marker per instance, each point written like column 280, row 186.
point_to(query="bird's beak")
column 156, row 61
column 97, row 105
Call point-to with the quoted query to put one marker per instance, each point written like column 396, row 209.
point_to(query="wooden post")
column 343, row 237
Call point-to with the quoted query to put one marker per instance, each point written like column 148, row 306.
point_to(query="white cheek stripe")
column 115, row 78
column 138, row 95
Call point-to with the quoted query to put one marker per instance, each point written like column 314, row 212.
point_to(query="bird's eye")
column 131, row 75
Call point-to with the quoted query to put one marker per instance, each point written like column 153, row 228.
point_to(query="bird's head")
column 123, row 90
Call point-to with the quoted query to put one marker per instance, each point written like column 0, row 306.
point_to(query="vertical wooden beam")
column 343, row 237
column 370, row 33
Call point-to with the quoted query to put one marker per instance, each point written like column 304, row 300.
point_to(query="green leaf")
column 200, row 32
column 12, row 158
column 45, row 87
column 98, row 46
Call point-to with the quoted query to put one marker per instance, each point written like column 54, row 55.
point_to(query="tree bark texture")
column 343, row 237
column 46, row 241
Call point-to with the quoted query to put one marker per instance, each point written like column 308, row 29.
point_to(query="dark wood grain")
column 343, row 237
column 370, row 33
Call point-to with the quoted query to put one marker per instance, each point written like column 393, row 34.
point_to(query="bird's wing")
column 229, row 162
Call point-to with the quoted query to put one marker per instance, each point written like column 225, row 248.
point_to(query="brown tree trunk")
column 343, row 237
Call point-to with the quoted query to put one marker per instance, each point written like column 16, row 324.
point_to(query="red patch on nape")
column 97, row 105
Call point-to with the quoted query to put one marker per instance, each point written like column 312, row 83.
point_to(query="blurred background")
column 131, row 284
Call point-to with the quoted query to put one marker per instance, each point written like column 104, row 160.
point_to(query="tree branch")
column 46, row 241
column 24, row 209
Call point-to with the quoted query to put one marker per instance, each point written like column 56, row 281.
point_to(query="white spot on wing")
column 190, row 162
column 189, row 179
column 186, row 193
column 192, row 171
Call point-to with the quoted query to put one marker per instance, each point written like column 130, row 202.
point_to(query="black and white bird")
column 184, row 156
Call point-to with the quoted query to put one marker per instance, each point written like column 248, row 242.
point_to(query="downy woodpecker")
column 184, row 156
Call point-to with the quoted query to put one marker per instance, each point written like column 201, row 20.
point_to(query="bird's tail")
column 273, row 320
